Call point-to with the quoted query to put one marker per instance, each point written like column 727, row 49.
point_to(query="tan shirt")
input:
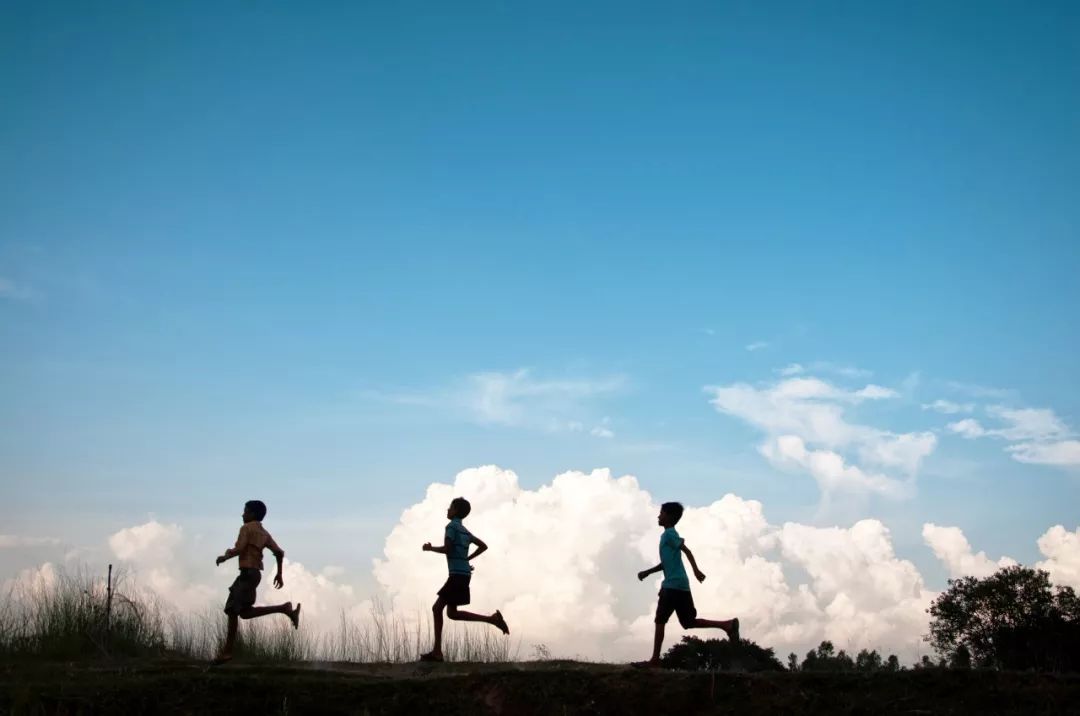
column 251, row 542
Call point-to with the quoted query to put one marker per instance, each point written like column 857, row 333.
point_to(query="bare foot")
column 294, row 616
column 733, row 632
column 650, row 664
column 500, row 622
column 431, row 656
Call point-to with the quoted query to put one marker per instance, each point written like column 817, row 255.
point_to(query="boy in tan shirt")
column 251, row 541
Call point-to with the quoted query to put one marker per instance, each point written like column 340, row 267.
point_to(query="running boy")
column 251, row 541
column 455, row 592
column 675, row 589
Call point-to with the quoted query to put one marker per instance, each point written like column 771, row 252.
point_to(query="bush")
column 694, row 654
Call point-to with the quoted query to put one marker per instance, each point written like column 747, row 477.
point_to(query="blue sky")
column 281, row 251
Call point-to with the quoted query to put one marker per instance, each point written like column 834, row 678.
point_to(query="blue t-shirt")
column 457, row 558
column 671, row 560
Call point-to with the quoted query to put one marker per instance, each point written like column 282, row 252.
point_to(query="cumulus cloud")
column 805, row 426
column 757, row 346
column 1036, row 435
column 1062, row 551
column 952, row 548
column 563, row 561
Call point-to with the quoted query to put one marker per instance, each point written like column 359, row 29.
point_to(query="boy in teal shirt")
column 675, row 594
column 455, row 592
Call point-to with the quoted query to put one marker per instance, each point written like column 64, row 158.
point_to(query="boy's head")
column 254, row 511
column 459, row 509
column 670, row 514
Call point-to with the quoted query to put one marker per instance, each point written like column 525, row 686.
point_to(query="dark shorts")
column 678, row 601
column 456, row 590
column 242, row 591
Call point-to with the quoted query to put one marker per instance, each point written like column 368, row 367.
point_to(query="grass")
column 72, row 617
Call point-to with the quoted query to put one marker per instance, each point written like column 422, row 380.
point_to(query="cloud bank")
column 563, row 560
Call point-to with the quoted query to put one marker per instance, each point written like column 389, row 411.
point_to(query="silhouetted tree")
column 826, row 658
column 1012, row 619
column 694, row 654
column 892, row 664
column 792, row 662
column 868, row 661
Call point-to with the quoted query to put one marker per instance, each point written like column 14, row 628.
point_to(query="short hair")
column 257, row 509
column 675, row 509
column 463, row 505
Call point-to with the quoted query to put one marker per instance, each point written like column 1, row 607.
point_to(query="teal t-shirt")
column 457, row 558
column 671, row 560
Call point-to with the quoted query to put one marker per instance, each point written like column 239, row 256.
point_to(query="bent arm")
column 480, row 547
column 241, row 542
column 278, row 552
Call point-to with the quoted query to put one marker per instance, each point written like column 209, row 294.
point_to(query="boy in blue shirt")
column 675, row 594
column 455, row 592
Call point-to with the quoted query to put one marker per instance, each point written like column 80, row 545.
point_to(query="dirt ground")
column 529, row 689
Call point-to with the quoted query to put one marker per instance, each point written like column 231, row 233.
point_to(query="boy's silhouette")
column 675, row 589
column 455, row 592
column 251, row 541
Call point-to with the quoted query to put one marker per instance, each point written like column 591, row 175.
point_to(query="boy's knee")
column 451, row 611
column 688, row 622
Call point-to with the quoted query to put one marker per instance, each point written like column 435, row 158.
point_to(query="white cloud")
column 14, row 541
column 828, row 468
column 805, row 426
column 952, row 548
column 1062, row 551
column 563, row 560
column 1028, row 423
column 968, row 428
column 603, row 430
column 823, row 366
column 587, row 534
column 1036, row 435
column 1065, row 453
column 518, row 399
column 948, row 407
column 757, row 346
column 11, row 290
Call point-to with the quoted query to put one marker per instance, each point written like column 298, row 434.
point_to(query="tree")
column 892, row 664
column 694, row 654
column 1012, row 619
column 792, row 662
column 826, row 658
column 868, row 661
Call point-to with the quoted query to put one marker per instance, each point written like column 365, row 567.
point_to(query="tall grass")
column 66, row 618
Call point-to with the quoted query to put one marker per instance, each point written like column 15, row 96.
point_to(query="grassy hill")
column 544, row 688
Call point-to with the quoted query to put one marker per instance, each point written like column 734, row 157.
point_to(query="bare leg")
column 230, row 640
column 658, row 641
column 495, row 620
column 437, row 619
column 256, row 612
column 731, row 626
